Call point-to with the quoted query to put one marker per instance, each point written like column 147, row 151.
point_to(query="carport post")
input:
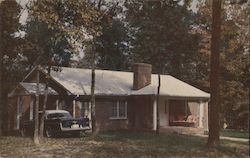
column 57, row 104
column 74, row 108
column 201, row 114
column 154, row 114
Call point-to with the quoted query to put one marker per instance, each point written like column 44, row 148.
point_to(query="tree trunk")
column 1, row 80
column 41, row 130
column 214, row 123
column 93, row 116
column 36, row 130
column 1, row 88
column 158, row 105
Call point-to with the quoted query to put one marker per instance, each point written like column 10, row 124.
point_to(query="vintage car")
column 58, row 122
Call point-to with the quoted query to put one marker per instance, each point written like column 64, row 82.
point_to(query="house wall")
column 103, row 114
column 139, row 114
column 163, row 111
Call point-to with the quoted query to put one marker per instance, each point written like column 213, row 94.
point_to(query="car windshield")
column 59, row 115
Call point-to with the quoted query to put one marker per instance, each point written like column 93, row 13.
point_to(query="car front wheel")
column 23, row 132
column 49, row 133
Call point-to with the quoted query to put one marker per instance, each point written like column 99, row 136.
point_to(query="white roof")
column 78, row 82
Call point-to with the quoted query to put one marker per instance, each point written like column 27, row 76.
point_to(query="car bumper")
column 63, row 129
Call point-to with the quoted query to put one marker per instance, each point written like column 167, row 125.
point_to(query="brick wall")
column 139, row 114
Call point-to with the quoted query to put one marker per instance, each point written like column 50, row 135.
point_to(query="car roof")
column 55, row 111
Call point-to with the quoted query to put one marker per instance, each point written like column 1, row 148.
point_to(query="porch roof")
column 25, row 88
column 78, row 82
column 31, row 88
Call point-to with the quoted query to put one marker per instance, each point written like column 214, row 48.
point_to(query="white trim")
column 126, row 109
column 117, row 108
column 118, row 113
column 154, row 115
column 118, row 118
column 201, row 114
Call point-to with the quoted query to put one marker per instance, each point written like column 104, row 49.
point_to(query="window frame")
column 117, row 104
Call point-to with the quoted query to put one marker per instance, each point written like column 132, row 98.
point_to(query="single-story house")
column 124, row 100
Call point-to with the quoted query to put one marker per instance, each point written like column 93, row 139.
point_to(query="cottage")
column 124, row 100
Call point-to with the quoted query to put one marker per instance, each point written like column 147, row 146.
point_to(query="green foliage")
column 162, row 36
column 9, row 73
column 112, row 47
column 45, row 46
column 79, row 19
column 234, row 67
column 9, row 24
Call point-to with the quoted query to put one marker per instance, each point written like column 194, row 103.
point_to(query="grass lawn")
column 121, row 144
column 234, row 133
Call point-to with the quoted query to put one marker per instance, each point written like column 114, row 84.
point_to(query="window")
column 119, row 110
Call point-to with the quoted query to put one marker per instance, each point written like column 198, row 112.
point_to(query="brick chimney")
column 142, row 75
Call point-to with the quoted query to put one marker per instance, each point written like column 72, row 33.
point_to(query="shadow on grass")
column 122, row 144
column 172, row 144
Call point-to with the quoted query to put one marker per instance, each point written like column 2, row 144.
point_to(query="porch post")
column 206, row 108
column 167, row 111
column 17, row 113
column 201, row 114
column 74, row 108
column 31, row 108
column 154, row 114
column 57, row 104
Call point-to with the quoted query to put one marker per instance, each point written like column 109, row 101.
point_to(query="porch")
column 182, row 115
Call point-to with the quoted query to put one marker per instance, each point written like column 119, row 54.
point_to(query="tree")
column 51, row 47
column 112, row 47
column 214, row 125
column 158, row 105
column 161, row 32
column 234, row 87
column 79, row 20
column 9, row 23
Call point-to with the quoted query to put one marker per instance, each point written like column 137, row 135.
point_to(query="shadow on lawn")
column 121, row 144
column 170, row 145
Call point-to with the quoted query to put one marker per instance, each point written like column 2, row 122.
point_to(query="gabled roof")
column 78, row 82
